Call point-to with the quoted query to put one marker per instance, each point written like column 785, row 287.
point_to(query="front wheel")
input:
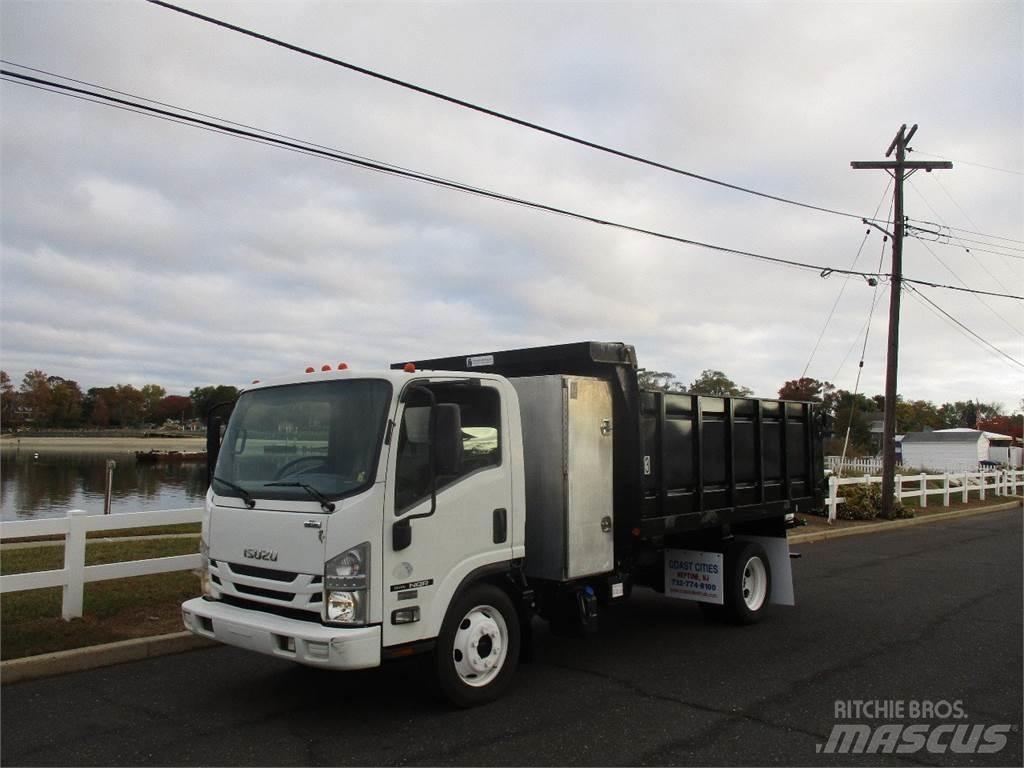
column 478, row 649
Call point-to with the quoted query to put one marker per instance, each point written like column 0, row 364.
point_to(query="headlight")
column 345, row 607
column 346, row 581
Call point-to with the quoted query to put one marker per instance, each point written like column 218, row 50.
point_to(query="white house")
column 957, row 450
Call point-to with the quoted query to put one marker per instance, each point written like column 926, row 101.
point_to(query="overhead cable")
column 493, row 112
column 374, row 165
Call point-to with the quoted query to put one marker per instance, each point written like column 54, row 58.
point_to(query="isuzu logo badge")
column 260, row 554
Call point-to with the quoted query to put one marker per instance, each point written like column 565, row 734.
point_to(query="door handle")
column 606, row 524
column 500, row 525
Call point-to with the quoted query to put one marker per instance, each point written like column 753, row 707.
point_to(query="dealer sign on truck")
column 693, row 575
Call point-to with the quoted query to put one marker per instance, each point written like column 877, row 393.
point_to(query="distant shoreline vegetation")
column 52, row 405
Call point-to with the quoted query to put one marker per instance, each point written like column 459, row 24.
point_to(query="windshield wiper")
column 326, row 504
column 250, row 502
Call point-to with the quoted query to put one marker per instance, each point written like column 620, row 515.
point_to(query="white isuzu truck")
column 438, row 506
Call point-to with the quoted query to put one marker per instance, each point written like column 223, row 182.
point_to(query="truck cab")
column 349, row 514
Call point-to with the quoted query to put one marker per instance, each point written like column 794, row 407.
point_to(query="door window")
column 480, row 415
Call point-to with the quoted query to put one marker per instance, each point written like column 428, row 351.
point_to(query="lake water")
column 50, row 483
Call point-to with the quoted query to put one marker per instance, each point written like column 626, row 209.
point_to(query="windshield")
column 283, row 441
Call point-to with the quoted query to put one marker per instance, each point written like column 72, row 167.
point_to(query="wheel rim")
column 481, row 645
column 755, row 583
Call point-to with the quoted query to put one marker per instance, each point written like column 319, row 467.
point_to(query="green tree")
column 152, row 394
column 711, row 382
column 8, row 402
column 851, row 413
column 662, row 380
column 204, row 398
column 67, row 400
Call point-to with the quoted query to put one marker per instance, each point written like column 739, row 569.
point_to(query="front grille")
column 302, row 592
column 261, row 573
column 273, row 594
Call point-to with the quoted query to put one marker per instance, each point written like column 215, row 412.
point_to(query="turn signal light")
column 409, row 368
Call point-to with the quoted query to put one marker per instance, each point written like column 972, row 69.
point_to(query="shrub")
column 864, row 502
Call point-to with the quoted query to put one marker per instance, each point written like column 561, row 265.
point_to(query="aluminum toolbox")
column 568, row 447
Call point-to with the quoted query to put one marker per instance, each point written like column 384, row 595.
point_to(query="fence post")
column 899, row 487
column 945, row 489
column 964, row 491
column 924, row 490
column 74, row 566
column 833, row 492
column 982, row 485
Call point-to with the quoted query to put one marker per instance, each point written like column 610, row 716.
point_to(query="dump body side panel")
column 682, row 463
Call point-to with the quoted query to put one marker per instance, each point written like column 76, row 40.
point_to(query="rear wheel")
column 748, row 582
column 478, row 649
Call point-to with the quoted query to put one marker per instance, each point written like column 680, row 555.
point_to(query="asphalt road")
column 929, row 613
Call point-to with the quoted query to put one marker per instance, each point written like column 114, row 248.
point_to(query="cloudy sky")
column 137, row 250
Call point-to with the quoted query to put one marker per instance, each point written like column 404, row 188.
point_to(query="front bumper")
column 299, row 641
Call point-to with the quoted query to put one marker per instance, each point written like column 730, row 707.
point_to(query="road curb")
column 95, row 656
column 892, row 525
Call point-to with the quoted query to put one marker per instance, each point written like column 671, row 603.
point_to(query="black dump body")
column 683, row 463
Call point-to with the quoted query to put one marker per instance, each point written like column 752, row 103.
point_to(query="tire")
column 748, row 582
column 477, row 651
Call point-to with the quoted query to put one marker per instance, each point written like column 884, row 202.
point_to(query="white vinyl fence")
column 858, row 466
column 75, row 573
column 1001, row 483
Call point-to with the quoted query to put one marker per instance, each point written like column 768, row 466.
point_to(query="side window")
column 480, row 413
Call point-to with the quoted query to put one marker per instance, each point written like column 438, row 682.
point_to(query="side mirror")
column 448, row 439
column 214, row 427
column 213, row 424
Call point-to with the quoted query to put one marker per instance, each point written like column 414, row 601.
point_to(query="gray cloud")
column 137, row 250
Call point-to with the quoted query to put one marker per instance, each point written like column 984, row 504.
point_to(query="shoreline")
column 101, row 444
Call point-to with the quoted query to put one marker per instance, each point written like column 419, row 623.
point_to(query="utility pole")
column 898, row 169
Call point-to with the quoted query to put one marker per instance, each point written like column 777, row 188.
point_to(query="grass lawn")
column 121, row 609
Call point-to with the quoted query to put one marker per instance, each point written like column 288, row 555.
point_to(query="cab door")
column 470, row 525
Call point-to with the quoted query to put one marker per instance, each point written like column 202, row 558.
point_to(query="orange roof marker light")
column 310, row 369
column 342, row 366
column 255, row 381
column 409, row 368
column 325, row 367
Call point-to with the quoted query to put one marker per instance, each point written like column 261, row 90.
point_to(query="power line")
column 374, row 165
column 968, row 231
column 965, row 162
column 493, row 112
column 979, row 298
column 963, row 327
column 976, row 259
column 846, row 281
column 939, row 235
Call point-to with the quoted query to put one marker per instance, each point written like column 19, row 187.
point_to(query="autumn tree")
column 716, row 383
column 36, row 397
column 806, row 389
column 175, row 407
column 1003, row 425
